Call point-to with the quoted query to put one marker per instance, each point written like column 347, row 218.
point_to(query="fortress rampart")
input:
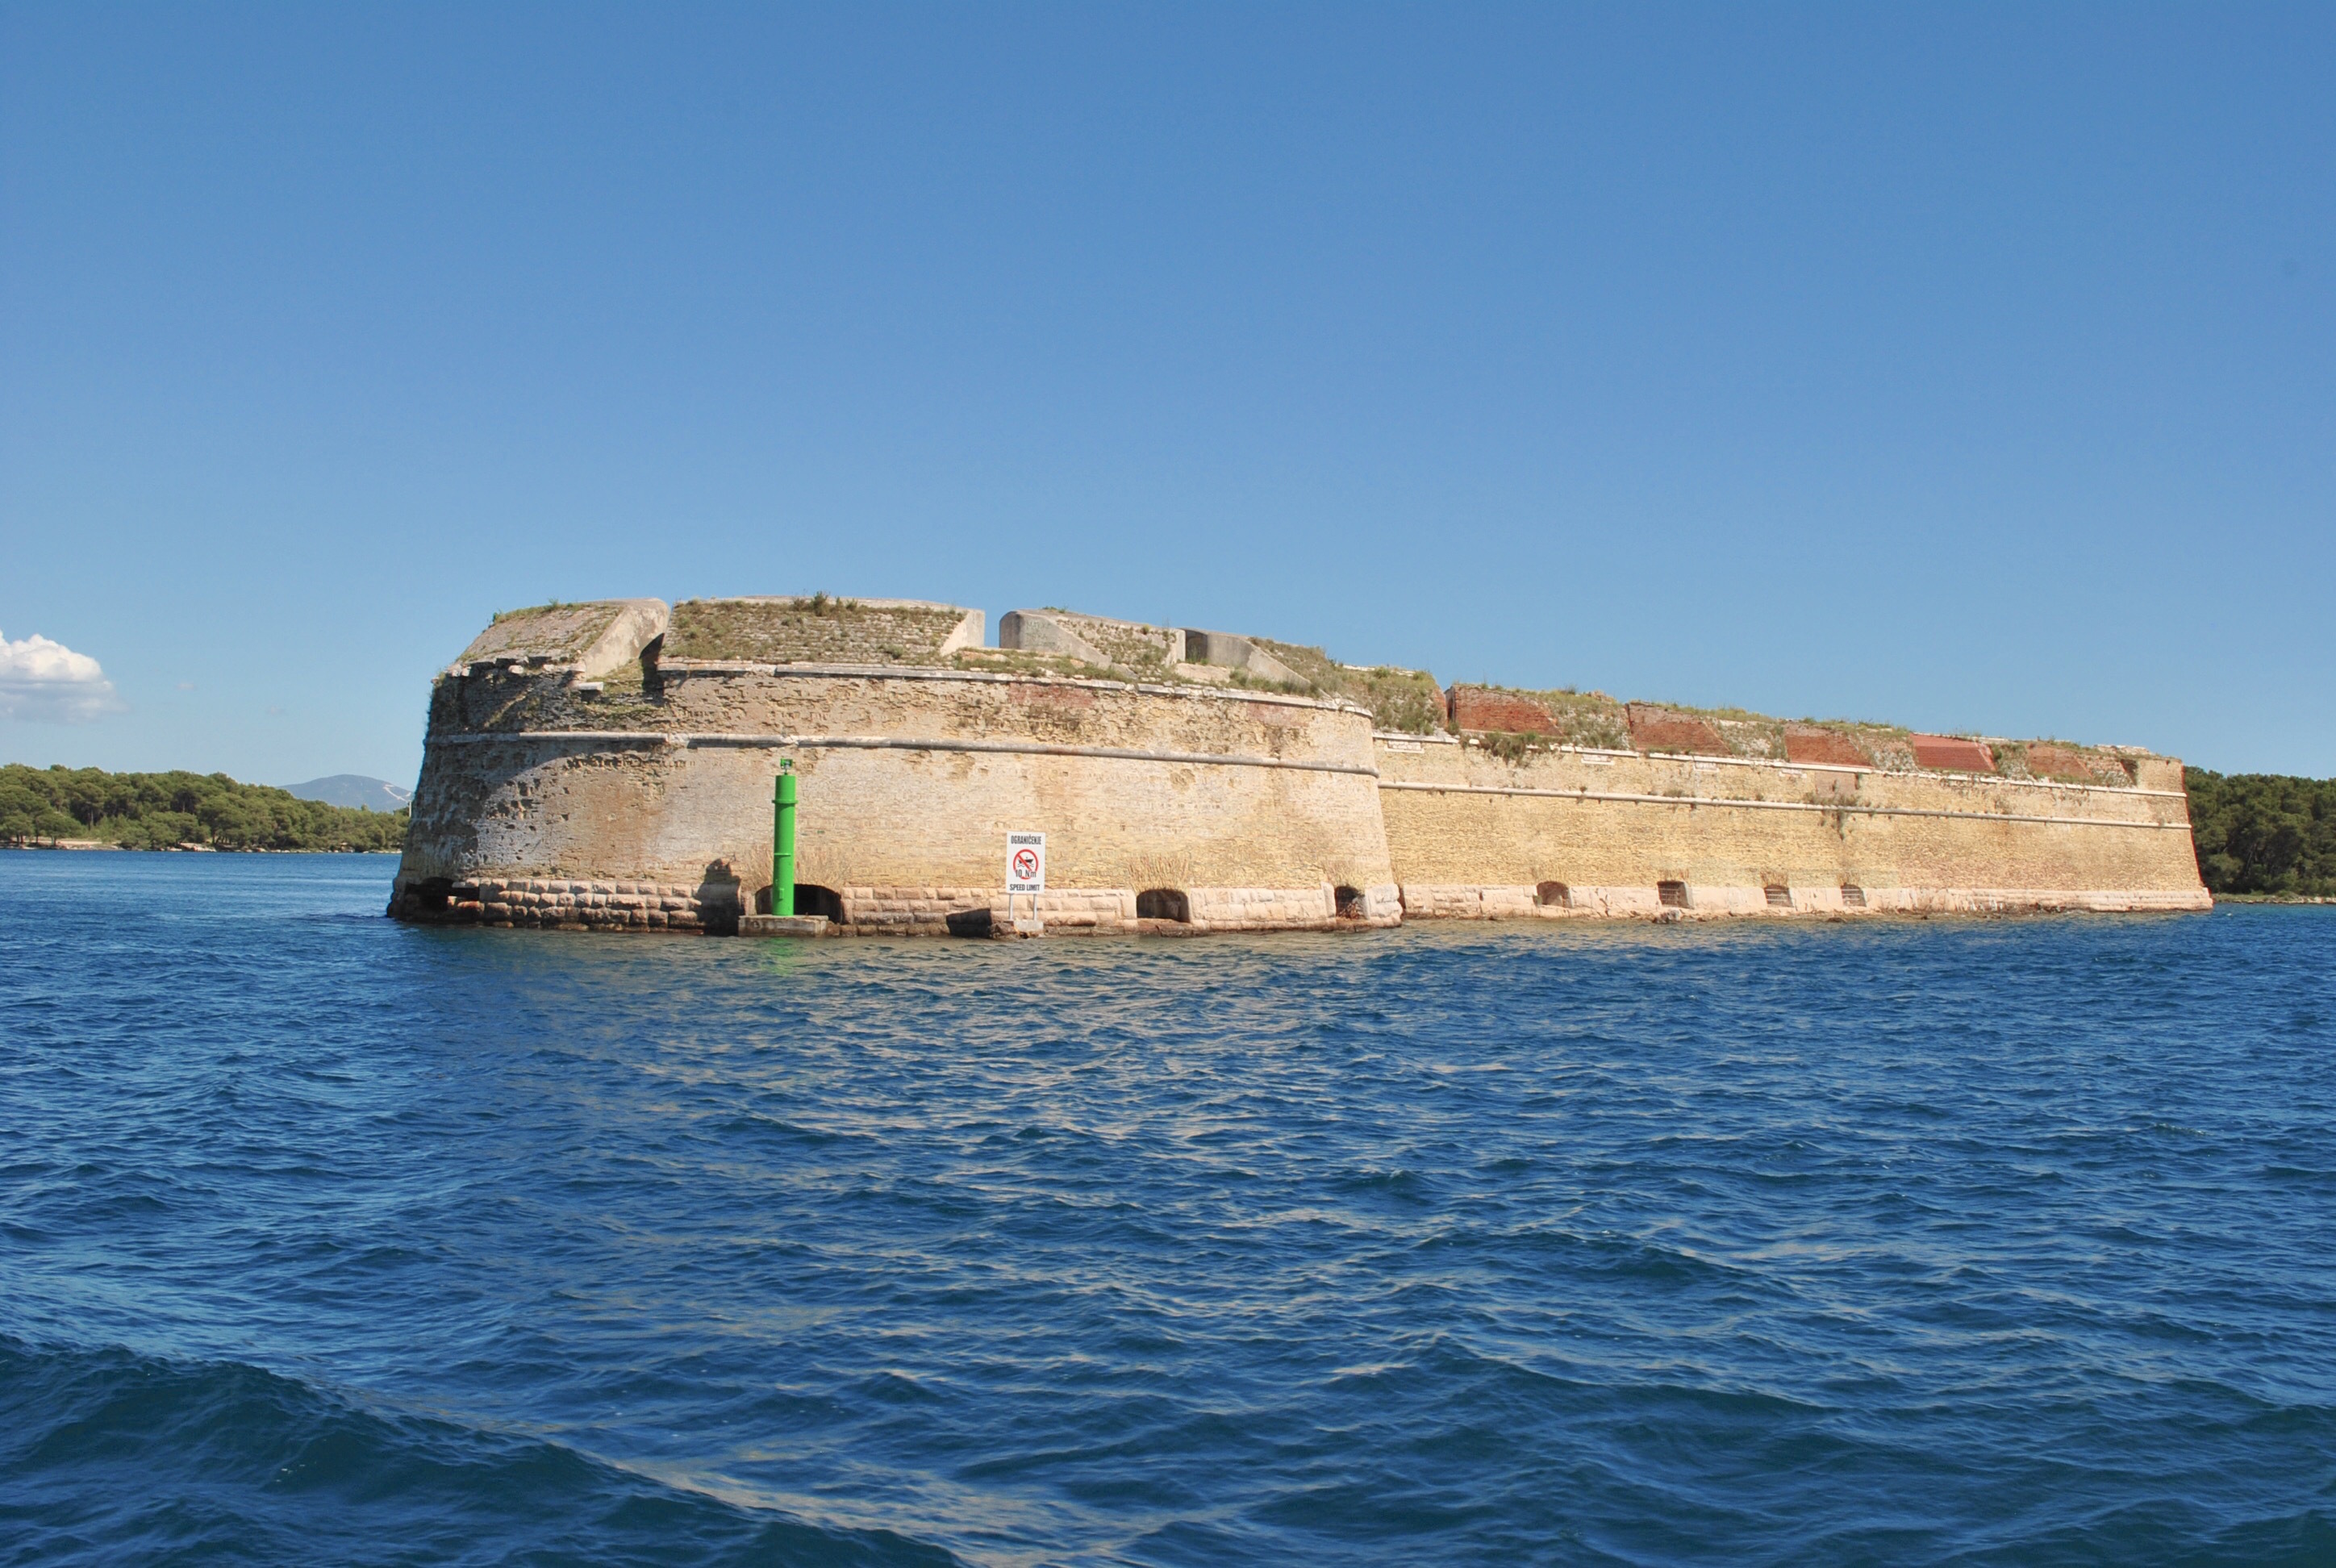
column 1572, row 831
column 609, row 765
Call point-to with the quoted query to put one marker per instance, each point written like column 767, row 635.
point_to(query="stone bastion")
column 609, row 765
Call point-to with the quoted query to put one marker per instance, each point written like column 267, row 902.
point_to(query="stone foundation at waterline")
column 609, row 767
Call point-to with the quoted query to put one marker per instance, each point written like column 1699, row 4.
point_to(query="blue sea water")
column 328, row 1240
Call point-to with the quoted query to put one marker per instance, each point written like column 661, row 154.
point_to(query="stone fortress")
column 609, row 765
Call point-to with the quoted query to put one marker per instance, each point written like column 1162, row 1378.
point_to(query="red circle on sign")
column 1025, row 864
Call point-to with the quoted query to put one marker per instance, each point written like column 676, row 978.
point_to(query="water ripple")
column 1933, row 1242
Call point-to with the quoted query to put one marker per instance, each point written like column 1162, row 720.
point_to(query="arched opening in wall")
column 1553, row 895
column 1350, row 902
column 1672, row 895
column 1852, row 896
column 1780, row 897
column 810, row 898
column 429, row 896
column 1162, row 904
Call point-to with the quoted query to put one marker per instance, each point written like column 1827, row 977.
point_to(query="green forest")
column 155, row 811
column 2263, row 832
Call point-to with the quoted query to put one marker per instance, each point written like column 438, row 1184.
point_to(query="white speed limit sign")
column 1026, row 863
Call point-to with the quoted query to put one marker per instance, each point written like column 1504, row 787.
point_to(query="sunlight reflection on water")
column 1916, row 1240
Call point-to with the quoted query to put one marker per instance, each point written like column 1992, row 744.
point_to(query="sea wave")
column 1946, row 1243
column 108, row 1456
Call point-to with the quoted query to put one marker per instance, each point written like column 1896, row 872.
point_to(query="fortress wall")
column 1465, row 848
column 1254, row 805
column 609, row 764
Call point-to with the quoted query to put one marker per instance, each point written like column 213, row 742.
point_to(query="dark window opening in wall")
column 1162, row 904
column 1780, row 897
column 1553, row 895
column 1350, row 903
column 430, row 895
column 1672, row 895
column 1852, row 896
column 810, row 898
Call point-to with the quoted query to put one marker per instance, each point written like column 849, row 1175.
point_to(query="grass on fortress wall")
column 556, row 631
column 1589, row 719
column 1404, row 700
column 1401, row 700
column 155, row 811
column 815, row 630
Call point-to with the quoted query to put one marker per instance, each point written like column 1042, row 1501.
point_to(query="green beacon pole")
column 783, row 841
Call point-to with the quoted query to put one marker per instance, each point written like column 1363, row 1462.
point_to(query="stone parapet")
column 582, row 640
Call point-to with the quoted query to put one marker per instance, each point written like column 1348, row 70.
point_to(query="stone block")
column 782, row 925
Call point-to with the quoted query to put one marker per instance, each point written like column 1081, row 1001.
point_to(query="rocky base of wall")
column 972, row 912
column 717, row 908
column 1702, row 900
column 565, row 903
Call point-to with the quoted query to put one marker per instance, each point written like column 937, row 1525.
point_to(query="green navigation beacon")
column 783, row 840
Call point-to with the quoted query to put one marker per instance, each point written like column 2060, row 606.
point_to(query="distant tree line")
column 154, row 810
column 2263, row 832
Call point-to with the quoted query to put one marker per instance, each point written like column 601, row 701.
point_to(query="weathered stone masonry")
column 609, row 767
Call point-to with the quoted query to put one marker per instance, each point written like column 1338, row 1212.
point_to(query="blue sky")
column 1967, row 369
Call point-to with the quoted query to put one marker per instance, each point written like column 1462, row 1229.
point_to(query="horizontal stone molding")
column 1741, row 804
column 891, row 742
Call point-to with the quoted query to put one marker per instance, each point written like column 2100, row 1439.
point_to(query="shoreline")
column 102, row 845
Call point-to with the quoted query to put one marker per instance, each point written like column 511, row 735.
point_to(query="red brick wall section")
column 1809, row 743
column 1662, row 729
column 1478, row 708
column 2046, row 760
column 1947, row 751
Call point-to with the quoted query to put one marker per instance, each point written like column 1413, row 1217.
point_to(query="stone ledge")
column 782, row 925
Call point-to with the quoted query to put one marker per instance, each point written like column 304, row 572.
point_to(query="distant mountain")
column 352, row 789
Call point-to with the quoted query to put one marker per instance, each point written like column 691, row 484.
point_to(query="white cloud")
column 39, row 680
